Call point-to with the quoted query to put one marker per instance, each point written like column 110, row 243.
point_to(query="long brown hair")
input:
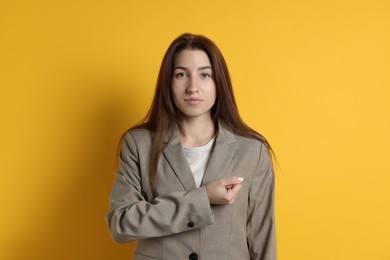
column 163, row 112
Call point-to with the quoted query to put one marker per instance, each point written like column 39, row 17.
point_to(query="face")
column 193, row 87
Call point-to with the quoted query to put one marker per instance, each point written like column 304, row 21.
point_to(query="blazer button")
column 193, row 256
column 190, row 224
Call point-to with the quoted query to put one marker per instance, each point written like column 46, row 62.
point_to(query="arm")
column 132, row 217
column 261, row 220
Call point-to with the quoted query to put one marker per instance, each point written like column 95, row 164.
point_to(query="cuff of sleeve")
column 201, row 214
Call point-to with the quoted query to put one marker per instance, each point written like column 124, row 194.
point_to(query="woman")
column 194, row 181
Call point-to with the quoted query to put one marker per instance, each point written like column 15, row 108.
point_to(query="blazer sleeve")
column 261, row 220
column 132, row 217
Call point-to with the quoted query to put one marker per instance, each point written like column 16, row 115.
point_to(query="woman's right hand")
column 225, row 190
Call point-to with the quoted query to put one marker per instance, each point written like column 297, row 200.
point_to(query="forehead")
column 189, row 58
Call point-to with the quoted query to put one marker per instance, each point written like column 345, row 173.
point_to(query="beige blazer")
column 180, row 223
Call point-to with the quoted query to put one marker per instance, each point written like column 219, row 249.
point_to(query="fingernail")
column 240, row 179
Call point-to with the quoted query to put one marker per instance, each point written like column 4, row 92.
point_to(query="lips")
column 193, row 101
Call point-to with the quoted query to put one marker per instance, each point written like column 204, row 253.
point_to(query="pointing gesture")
column 224, row 191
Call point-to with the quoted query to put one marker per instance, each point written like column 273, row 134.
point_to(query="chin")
column 194, row 115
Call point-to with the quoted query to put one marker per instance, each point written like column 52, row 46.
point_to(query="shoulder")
column 248, row 141
column 138, row 133
column 243, row 141
column 138, row 137
column 250, row 145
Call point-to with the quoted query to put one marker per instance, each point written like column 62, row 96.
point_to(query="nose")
column 193, row 86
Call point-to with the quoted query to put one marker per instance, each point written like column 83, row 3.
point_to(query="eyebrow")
column 184, row 68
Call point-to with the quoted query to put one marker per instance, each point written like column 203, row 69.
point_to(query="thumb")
column 230, row 181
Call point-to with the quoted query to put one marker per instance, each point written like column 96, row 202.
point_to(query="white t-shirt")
column 198, row 158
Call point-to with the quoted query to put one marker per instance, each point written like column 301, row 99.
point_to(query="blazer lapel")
column 224, row 149
column 173, row 153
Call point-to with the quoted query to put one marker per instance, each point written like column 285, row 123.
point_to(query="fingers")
column 229, row 181
column 235, row 188
column 233, row 192
column 224, row 191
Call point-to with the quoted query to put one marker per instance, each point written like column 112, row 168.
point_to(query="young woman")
column 194, row 181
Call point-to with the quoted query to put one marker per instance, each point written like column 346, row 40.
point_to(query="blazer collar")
column 224, row 133
column 224, row 148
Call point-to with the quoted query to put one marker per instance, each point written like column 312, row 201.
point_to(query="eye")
column 181, row 75
column 205, row 75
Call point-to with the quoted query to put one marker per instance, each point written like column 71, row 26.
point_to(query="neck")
column 196, row 131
